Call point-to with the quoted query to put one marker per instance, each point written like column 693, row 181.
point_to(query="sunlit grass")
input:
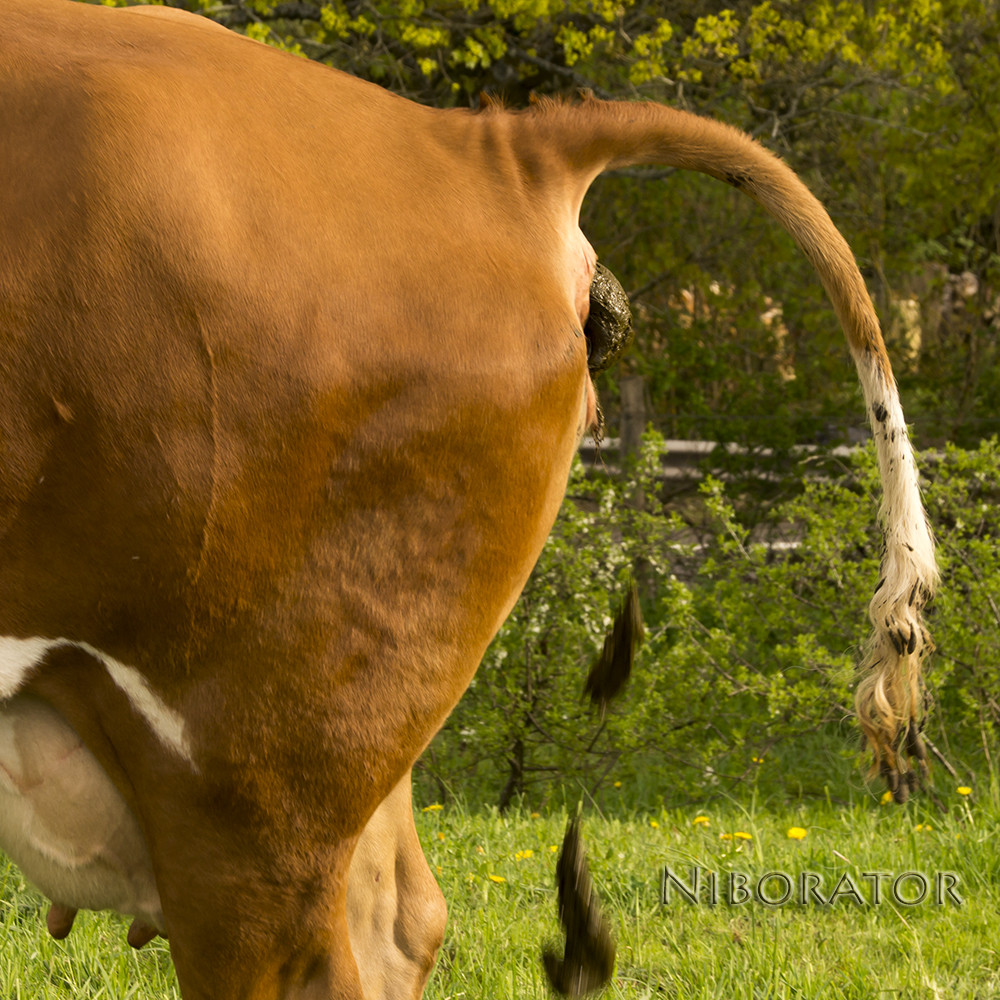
column 497, row 874
column 94, row 961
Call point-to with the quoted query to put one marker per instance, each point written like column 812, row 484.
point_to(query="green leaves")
column 621, row 44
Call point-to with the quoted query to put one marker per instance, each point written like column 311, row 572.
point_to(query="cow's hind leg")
column 395, row 911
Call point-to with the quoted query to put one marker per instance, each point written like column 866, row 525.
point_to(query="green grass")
column 498, row 924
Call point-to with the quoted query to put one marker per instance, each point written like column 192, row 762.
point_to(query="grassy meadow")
column 497, row 874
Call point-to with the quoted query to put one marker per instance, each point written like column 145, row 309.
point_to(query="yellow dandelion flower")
column 553, row 848
column 432, row 808
column 439, row 869
column 524, row 855
column 725, row 836
column 618, row 784
column 654, row 824
column 497, row 878
column 440, row 835
column 740, row 835
column 535, row 815
column 886, row 798
column 797, row 833
column 923, row 828
column 964, row 790
column 700, row 821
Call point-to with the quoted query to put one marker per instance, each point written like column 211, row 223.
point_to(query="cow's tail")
column 596, row 135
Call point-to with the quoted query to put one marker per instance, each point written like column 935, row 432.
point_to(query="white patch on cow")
column 19, row 657
column 163, row 720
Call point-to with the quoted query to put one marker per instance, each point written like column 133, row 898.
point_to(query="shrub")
column 754, row 638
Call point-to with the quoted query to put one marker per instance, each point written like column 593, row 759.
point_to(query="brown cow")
column 293, row 373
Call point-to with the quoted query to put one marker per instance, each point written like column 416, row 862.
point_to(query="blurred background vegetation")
column 754, row 635
column 754, row 583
